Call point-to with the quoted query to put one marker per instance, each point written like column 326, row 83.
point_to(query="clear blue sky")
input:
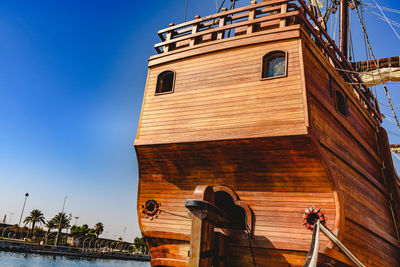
column 72, row 75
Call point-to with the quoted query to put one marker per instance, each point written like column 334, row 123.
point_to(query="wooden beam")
column 395, row 149
column 344, row 27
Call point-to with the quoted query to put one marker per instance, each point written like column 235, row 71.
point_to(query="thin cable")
column 232, row 7
column 383, row 104
column 219, row 9
column 395, row 23
column 396, row 156
column 186, row 9
column 366, row 47
column 395, row 134
column 175, row 214
column 376, row 62
column 352, row 56
column 384, row 8
column 312, row 256
column 335, row 240
column 391, row 26
column 336, row 23
column 250, row 245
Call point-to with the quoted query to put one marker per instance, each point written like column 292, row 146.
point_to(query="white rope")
column 398, row 135
column 335, row 240
column 382, row 7
column 395, row 155
column 336, row 23
column 364, row 83
column 312, row 257
column 397, row 24
column 376, row 63
column 390, row 24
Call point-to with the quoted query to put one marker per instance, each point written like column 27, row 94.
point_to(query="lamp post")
column 22, row 212
column 76, row 220
column 65, row 199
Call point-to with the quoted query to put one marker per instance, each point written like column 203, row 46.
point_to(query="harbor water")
column 11, row 259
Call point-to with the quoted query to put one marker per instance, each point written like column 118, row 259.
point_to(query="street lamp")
column 76, row 219
column 65, row 199
column 22, row 212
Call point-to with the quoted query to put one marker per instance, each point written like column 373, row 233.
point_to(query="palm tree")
column 50, row 224
column 61, row 221
column 98, row 229
column 36, row 216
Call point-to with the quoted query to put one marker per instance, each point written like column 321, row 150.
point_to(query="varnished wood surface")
column 279, row 144
column 220, row 96
column 350, row 147
column 278, row 177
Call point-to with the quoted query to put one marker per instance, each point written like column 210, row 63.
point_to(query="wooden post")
column 195, row 28
column 220, row 34
column 168, row 37
column 344, row 24
column 282, row 23
column 220, row 242
column 201, row 241
column 202, row 233
column 252, row 15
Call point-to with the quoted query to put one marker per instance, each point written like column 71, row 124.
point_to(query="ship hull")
column 277, row 177
column 277, row 146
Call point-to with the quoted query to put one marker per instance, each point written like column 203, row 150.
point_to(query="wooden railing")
column 228, row 23
column 341, row 63
column 265, row 16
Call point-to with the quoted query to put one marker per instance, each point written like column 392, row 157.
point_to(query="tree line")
column 60, row 221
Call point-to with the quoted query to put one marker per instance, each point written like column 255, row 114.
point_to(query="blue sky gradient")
column 72, row 76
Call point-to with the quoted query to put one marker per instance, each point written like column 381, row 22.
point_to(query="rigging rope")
column 396, row 156
column 248, row 232
column 220, row 7
column 312, row 257
column 351, row 47
column 394, row 133
column 175, row 214
column 397, row 24
column 250, row 245
column 376, row 62
column 186, row 9
column 335, row 240
column 383, row 14
column 336, row 23
column 382, row 7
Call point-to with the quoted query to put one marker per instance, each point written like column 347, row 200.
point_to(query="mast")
column 344, row 27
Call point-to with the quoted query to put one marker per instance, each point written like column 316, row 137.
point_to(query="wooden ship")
column 254, row 125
